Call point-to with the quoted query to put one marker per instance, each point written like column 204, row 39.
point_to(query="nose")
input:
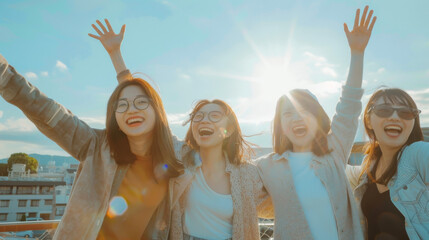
column 205, row 118
column 395, row 114
column 296, row 116
column 131, row 108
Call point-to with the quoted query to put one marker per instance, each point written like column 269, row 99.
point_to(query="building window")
column 20, row 216
column 32, row 215
column 46, row 190
column 22, row 203
column 60, row 212
column 24, row 190
column 5, row 190
column 3, row 217
column 45, row 216
column 48, row 201
column 4, row 203
column 35, row 203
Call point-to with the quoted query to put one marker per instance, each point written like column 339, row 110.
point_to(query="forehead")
column 131, row 91
column 211, row 107
column 291, row 104
column 396, row 100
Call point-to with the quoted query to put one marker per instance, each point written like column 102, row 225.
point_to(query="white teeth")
column 205, row 129
column 134, row 120
column 298, row 128
column 392, row 127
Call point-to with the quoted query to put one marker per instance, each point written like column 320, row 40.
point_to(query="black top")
column 383, row 218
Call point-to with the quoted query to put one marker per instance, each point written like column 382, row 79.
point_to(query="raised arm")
column 112, row 43
column 345, row 121
column 358, row 40
column 51, row 118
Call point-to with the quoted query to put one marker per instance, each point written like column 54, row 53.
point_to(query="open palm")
column 107, row 37
column 358, row 38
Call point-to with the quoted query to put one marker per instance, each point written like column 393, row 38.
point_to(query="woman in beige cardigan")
column 129, row 162
column 305, row 175
column 218, row 169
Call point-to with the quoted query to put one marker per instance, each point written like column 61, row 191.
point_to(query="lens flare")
column 118, row 206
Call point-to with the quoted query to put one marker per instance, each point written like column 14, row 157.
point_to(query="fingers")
column 365, row 11
column 368, row 19
column 122, row 30
column 346, row 29
column 102, row 27
column 372, row 24
column 94, row 36
column 108, row 25
column 356, row 19
column 96, row 29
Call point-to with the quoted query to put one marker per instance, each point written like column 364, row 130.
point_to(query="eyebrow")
column 134, row 97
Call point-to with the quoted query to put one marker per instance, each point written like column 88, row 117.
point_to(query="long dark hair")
column 372, row 148
column 236, row 147
column 162, row 150
column 320, row 143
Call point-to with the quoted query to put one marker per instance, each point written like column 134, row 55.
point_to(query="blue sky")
column 247, row 53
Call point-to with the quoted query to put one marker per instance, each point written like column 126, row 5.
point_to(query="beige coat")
column 290, row 222
column 248, row 196
column 98, row 172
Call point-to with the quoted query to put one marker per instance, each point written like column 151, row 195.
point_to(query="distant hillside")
column 45, row 159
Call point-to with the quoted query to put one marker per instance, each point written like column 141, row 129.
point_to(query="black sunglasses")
column 385, row 111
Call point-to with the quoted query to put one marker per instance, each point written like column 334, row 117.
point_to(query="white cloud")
column 330, row 72
column 19, row 125
column 326, row 88
column 185, row 76
column 1, row 114
column 60, row 65
column 94, row 121
column 323, row 64
column 31, row 75
column 381, row 70
column 7, row 147
column 177, row 118
column 44, row 74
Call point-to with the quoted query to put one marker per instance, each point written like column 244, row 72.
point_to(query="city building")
column 23, row 196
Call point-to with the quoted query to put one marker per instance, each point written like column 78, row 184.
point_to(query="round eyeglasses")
column 140, row 103
column 385, row 111
column 213, row 116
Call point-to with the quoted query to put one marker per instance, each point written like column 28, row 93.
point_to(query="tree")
column 3, row 169
column 31, row 163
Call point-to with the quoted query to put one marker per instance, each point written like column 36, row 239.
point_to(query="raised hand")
column 111, row 41
column 358, row 38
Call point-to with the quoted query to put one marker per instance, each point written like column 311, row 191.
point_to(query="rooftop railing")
column 42, row 230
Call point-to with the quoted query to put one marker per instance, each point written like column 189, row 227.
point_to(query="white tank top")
column 313, row 196
column 208, row 214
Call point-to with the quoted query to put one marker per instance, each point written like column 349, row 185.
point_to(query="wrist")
column 357, row 52
column 115, row 52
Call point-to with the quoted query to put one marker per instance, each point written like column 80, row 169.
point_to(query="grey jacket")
column 277, row 177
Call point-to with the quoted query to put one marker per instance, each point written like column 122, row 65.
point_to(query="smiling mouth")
column 205, row 132
column 299, row 130
column 393, row 130
column 134, row 121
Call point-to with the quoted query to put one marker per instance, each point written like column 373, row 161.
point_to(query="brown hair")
column 238, row 150
column 162, row 150
column 372, row 148
column 320, row 143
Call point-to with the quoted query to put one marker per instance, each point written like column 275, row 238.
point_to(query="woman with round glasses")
column 391, row 185
column 220, row 195
column 305, row 176
column 120, row 190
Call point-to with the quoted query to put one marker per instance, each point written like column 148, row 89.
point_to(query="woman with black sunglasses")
column 392, row 184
